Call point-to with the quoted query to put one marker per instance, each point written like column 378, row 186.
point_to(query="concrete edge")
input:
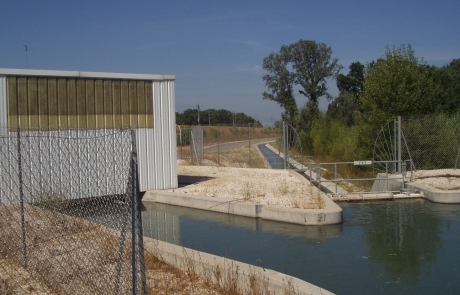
column 208, row 265
column 326, row 185
column 435, row 195
column 430, row 193
column 331, row 215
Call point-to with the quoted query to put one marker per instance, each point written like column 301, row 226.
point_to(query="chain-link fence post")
column 137, row 233
column 249, row 140
column 218, row 146
column 21, row 198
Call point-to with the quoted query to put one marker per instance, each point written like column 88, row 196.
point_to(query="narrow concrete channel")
column 274, row 160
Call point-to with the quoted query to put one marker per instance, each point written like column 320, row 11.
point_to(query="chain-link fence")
column 232, row 146
column 432, row 141
column 69, row 213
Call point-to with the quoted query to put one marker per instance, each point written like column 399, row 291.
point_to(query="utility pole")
column 27, row 58
column 198, row 107
column 209, row 118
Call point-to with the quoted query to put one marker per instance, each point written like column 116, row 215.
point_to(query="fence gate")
column 69, row 213
column 196, row 144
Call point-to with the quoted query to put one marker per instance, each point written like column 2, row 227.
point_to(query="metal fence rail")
column 69, row 217
column 382, row 179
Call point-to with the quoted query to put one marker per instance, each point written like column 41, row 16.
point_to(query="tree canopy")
column 346, row 105
column 304, row 63
column 214, row 117
column 399, row 84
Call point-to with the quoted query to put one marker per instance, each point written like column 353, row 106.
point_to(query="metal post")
column 399, row 144
column 136, row 233
column 386, row 173
column 403, row 173
column 286, row 150
column 249, row 139
column 284, row 144
column 21, row 196
column 218, row 146
column 318, row 175
column 335, row 174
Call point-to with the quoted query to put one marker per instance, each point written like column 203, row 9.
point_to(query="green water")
column 388, row 247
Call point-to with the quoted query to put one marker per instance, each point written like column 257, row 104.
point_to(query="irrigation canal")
column 273, row 159
column 385, row 247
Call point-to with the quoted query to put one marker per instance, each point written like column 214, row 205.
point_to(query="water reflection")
column 400, row 247
column 163, row 220
column 404, row 236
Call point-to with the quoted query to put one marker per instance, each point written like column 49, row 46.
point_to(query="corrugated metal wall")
column 75, row 163
column 159, row 144
column 3, row 109
column 92, row 103
column 83, row 103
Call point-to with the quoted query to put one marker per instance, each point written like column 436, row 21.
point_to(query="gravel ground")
column 261, row 186
column 444, row 179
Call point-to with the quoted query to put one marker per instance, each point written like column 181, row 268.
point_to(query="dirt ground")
column 261, row 186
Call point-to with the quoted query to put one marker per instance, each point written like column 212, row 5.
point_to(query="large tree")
column 345, row 107
column 399, row 84
column 279, row 82
column 313, row 64
column 449, row 77
column 304, row 63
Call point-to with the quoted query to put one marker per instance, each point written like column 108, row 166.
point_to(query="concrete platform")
column 430, row 193
column 373, row 197
column 246, row 275
column 331, row 215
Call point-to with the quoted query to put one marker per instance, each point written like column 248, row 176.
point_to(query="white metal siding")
column 157, row 148
column 3, row 105
column 99, row 165
column 157, row 153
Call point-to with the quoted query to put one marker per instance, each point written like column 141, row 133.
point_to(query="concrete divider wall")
column 248, row 276
column 431, row 193
column 332, row 214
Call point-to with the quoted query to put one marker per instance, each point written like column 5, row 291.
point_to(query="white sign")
column 362, row 162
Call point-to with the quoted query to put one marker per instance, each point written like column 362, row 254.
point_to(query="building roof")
column 78, row 74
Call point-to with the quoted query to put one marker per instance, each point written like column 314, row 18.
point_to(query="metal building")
column 51, row 100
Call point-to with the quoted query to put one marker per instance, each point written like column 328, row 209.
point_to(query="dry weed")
column 247, row 191
column 283, row 187
column 289, row 288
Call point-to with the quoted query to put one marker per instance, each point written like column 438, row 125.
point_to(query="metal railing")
column 385, row 176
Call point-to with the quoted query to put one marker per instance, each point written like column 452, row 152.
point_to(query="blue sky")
column 216, row 48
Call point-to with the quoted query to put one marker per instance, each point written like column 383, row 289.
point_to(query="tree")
column 353, row 82
column 311, row 65
column 449, row 77
column 279, row 82
column 345, row 107
column 399, row 84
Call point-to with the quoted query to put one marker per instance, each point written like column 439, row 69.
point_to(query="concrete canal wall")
column 332, row 214
column 249, row 277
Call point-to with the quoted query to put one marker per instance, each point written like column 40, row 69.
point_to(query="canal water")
column 386, row 247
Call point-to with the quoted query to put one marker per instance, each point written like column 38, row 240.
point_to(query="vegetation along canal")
column 386, row 247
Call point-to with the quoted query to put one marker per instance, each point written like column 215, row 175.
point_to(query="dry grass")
column 260, row 186
column 61, row 253
column 193, row 278
column 243, row 157
column 69, row 255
